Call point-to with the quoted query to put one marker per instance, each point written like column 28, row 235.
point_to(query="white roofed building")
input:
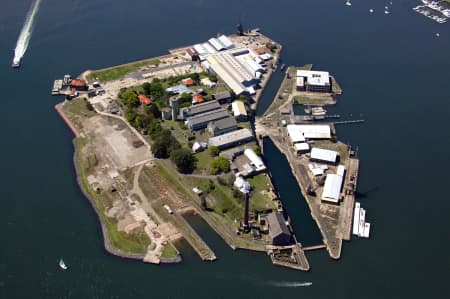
column 308, row 132
column 301, row 148
column 324, row 155
column 255, row 160
column 226, row 42
column 232, row 67
column 313, row 80
column 332, row 188
column 216, row 44
column 239, row 111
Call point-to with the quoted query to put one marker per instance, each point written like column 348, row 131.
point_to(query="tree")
column 195, row 77
column 184, row 160
column 129, row 98
column 153, row 129
column 146, row 87
column 160, row 148
column 220, row 164
column 214, row 151
column 212, row 77
column 153, row 110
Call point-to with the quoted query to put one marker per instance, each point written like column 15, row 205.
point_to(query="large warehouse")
column 237, row 68
column 324, row 155
column 332, row 188
column 308, row 131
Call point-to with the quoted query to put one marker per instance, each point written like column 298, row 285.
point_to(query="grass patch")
column 306, row 67
column 120, row 71
column 204, row 161
column 335, row 86
column 169, row 252
column 259, row 182
column 313, row 100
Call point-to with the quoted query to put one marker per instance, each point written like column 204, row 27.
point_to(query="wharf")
column 289, row 256
column 350, row 183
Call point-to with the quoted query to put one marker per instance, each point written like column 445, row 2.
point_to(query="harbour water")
column 394, row 71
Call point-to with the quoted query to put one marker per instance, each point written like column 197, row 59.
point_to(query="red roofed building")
column 188, row 82
column 197, row 99
column 262, row 50
column 144, row 99
column 78, row 84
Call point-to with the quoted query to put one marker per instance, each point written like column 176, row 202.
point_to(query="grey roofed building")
column 200, row 121
column 231, row 139
column 278, row 231
column 223, row 97
column 222, row 126
column 201, row 108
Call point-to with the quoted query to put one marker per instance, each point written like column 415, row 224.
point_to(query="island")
column 176, row 135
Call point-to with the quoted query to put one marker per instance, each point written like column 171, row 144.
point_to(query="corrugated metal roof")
column 230, row 138
column 324, row 155
column 238, row 108
column 332, row 188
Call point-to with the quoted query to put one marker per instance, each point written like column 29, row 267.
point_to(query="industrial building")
column 237, row 68
column 332, row 188
column 279, row 233
column 333, row 185
column 296, row 132
column 222, row 126
column 301, row 148
column 223, row 97
column 324, row 155
column 255, row 161
column 199, row 109
column 239, row 111
column 313, row 81
column 231, row 139
column 201, row 121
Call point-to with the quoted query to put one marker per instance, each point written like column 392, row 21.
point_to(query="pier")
column 355, row 121
column 315, row 247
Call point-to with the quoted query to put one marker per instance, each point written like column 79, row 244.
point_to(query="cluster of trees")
column 219, row 164
column 166, row 146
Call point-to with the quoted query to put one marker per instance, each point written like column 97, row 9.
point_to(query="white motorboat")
column 62, row 265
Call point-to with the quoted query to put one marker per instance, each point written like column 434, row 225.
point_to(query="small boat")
column 371, row 10
column 386, row 12
column 62, row 265
column 282, row 67
column 15, row 63
column 348, row 3
column 437, row 34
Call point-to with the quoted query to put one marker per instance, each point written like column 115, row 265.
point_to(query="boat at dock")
column 362, row 221
column 356, row 218
column 366, row 231
column 282, row 67
column 318, row 111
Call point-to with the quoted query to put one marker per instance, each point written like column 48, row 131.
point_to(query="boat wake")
column 290, row 284
column 25, row 33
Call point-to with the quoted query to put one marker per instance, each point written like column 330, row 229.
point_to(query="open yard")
column 118, row 72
